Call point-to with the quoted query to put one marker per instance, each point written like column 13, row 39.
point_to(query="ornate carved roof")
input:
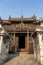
column 19, row 19
column 22, row 19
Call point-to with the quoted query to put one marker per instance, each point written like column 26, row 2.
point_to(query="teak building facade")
column 21, row 32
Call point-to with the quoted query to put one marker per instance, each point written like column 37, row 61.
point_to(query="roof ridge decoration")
column 22, row 24
column 34, row 17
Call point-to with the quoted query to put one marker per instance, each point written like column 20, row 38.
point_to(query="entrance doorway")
column 21, row 42
column 21, row 45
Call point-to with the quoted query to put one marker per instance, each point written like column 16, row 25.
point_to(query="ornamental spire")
column 9, row 17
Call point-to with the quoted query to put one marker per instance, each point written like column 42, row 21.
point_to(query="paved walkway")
column 22, row 59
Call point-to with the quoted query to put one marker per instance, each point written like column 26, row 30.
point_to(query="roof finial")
column 1, row 20
column 0, row 17
column 22, row 16
column 9, row 17
column 34, row 17
column 22, row 19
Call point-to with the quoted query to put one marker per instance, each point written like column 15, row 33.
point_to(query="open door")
column 21, row 43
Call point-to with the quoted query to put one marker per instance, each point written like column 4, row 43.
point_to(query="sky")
column 18, row 8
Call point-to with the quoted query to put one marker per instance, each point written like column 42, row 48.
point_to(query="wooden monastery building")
column 25, row 35
column 21, row 32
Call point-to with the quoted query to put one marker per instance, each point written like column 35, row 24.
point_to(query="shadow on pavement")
column 10, row 56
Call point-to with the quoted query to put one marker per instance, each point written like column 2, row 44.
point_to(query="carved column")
column 27, row 41
column 14, row 42
column 14, row 38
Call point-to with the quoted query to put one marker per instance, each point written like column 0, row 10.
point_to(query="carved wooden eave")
column 20, row 27
column 23, row 27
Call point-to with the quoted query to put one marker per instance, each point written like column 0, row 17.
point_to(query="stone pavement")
column 22, row 59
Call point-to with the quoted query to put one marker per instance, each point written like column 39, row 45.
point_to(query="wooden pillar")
column 14, row 38
column 27, row 41
column 14, row 42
